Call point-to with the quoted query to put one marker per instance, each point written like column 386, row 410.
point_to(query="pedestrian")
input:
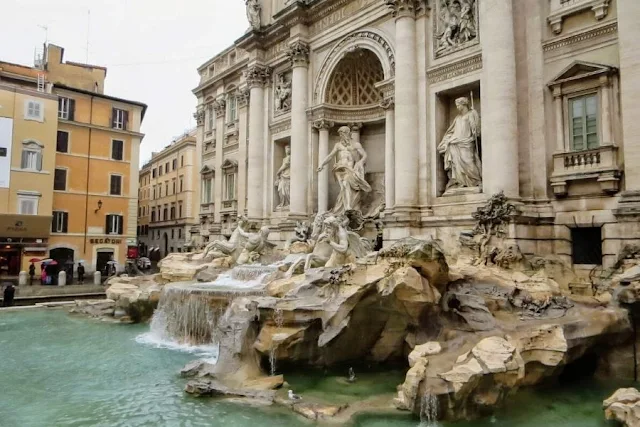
column 9, row 293
column 43, row 275
column 80, row 273
column 32, row 273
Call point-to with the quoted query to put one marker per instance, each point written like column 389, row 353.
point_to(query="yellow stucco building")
column 90, row 145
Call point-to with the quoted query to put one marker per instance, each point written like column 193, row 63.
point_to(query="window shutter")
column 120, row 224
column 72, row 109
column 25, row 159
column 107, row 223
column 65, row 221
column 113, row 117
column 125, row 120
column 39, row 161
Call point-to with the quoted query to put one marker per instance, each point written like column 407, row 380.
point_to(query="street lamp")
column 99, row 206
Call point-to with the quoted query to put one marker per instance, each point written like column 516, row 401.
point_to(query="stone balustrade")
column 600, row 164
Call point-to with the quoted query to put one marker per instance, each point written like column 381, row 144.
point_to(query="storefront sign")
column 6, row 138
column 106, row 241
column 24, row 226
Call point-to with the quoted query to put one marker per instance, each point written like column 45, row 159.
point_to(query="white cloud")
column 150, row 47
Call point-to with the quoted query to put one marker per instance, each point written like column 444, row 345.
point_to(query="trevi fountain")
column 335, row 329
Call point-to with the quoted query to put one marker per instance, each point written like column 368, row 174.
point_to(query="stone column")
column 557, row 101
column 199, row 115
column 243, row 112
column 257, row 76
column 355, row 131
column 299, row 55
column 389, row 154
column 406, row 108
column 606, row 111
column 219, row 105
column 323, row 127
column 499, row 103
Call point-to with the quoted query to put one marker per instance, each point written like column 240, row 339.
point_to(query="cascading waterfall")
column 429, row 411
column 278, row 319
column 260, row 273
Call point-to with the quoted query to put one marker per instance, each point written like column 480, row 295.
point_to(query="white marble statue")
column 253, row 13
column 456, row 24
column 348, row 169
column 256, row 244
column 459, row 147
column 283, row 94
column 283, row 180
column 347, row 246
column 221, row 248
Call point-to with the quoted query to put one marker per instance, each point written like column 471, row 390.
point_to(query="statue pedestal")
column 462, row 190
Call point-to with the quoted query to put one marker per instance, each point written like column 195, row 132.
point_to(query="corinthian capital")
column 219, row 106
column 199, row 116
column 405, row 7
column 298, row 54
column 323, row 124
column 257, row 75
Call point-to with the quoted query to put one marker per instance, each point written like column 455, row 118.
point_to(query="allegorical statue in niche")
column 456, row 24
column 348, row 169
column 459, row 147
column 253, row 13
column 283, row 179
column 283, row 94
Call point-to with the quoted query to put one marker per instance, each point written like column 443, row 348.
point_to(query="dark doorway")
column 103, row 258
column 586, row 245
column 10, row 260
column 62, row 255
column 165, row 239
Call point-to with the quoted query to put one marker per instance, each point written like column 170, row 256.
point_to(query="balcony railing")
column 600, row 164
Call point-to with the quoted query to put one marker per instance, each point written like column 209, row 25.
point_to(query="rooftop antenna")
column 46, row 33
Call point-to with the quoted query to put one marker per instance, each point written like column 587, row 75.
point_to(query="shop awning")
column 25, row 226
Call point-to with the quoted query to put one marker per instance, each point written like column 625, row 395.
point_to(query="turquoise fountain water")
column 58, row 370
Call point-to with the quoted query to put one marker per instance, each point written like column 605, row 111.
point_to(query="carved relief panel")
column 456, row 26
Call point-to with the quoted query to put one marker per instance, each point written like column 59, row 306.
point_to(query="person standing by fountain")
column 80, row 273
column 32, row 273
column 9, row 293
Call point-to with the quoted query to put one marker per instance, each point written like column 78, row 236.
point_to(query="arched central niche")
column 353, row 80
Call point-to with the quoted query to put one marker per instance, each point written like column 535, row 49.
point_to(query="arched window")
column 31, row 156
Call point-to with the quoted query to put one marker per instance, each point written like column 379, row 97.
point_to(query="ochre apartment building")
column 168, row 198
column 90, row 157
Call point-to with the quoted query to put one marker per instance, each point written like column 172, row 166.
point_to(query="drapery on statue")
column 460, row 148
column 348, row 170
column 253, row 13
column 221, row 248
column 346, row 245
column 283, row 179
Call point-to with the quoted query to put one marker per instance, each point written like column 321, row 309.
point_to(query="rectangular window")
column 179, row 234
column 230, row 186
column 31, row 159
column 115, row 187
column 115, row 224
column 66, row 108
column 181, row 161
column 160, row 170
column 34, row 110
column 232, row 110
column 60, row 222
column 60, row 180
column 172, row 234
column 180, row 210
column 62, row 142
column 153, row 215
column 206, row 190
column 586, row 245
column 119, row 119
column 181, row 184
column 28, row 205
column 583, row 112
column 166, row 167
column 174, row 164
column 165, row 212
column 117, row 149
column 173, row 184
column 210, row 118
column 173, row 212
column 153, row 172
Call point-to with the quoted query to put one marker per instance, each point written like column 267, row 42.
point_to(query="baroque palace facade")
column 441, row 104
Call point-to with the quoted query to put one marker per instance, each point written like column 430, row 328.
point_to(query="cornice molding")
column 454, row 69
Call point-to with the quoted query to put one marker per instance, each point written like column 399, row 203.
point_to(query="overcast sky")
column 150, row 47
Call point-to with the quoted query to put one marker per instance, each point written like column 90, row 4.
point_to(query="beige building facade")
column 445, row 103
column 168, row 202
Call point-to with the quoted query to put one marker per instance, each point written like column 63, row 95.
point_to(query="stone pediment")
column 581, row 70
column 206, row 170
column 229, row 164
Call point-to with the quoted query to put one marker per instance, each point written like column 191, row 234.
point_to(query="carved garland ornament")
column 243, row 97
column 298, row 54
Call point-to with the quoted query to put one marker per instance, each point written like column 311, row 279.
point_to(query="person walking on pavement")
column 80, row 273
column 32, row 273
